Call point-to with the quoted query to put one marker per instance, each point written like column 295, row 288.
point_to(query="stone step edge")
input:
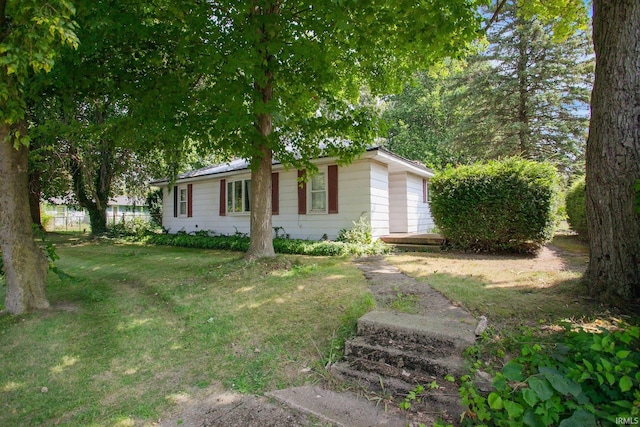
column 338, row 409
column 431, row 349
column 401, row 325
column 438, row 366
column 442, row 403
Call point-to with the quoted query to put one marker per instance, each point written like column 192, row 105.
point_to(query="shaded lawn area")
column 140, row 328
column 511, row 290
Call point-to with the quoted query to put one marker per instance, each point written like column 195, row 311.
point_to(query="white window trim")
column 310, row 211
column 186, row 201
column 230, row 209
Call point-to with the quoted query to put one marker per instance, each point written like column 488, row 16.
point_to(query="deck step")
column 413, row 239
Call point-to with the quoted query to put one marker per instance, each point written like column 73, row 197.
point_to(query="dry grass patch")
column 511, row 289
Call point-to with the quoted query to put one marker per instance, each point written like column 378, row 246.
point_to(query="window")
column 239, row 196
column 318, row 193
column 426, row 197
column 182, row 201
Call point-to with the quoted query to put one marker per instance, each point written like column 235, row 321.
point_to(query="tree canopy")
column 285, row 77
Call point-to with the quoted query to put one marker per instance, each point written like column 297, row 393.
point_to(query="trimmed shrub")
column 576, row 208
column 509, row 205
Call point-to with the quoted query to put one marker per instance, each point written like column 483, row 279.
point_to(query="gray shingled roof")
column 241, row 164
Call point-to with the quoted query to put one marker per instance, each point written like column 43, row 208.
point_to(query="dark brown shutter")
column 175, row 202
column 302, row 195
column 275, row 194
column 189, row 200
column 332, row 171
column 223, row 197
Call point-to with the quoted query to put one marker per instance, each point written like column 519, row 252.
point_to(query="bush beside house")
column 509, row 205
column 576, row 208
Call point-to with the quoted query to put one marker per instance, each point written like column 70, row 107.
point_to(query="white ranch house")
column 391, row 191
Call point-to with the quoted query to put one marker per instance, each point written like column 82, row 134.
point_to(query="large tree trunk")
column 25, row 266
column 613, row 152
column 261, row 231
column 261, row 165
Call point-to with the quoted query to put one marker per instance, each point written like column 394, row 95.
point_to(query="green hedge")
column 576, row 208
column 280, row 245
column 509, row 205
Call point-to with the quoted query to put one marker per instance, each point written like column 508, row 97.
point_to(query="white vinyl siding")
column 365, row 188
column 398, row 216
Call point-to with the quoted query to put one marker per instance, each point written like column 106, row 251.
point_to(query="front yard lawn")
column 139, row 328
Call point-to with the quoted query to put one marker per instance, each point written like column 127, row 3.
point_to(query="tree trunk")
column 261, row 165
column 613, row 153
column 524, row 130
column 34, row 198
column 261, row 230
column 25, row 266
column 93, row 196
column 97, row 218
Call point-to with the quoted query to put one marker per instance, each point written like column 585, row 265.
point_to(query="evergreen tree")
column 526, row 94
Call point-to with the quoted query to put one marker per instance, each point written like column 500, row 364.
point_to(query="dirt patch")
column 227, row 409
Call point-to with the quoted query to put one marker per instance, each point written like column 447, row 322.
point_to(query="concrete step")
column 415, row 359
column 437, row 335
column 339, row 409
column 442, row 402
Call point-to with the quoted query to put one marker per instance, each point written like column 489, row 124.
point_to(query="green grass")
column 140, row 327
column 509, row 290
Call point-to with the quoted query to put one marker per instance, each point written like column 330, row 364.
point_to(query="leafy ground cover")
column 139, row 328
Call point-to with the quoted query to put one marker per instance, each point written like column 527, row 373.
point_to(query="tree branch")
column 494, row 18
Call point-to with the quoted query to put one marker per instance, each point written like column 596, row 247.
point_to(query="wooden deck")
column 429, row 239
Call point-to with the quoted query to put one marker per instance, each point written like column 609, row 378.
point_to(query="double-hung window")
column 318, row 189
column 239, row 196
column 183, row 197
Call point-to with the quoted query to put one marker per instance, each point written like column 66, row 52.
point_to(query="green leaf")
column 561, row 383
column 514, row 409
column 624, row 404
column 499, row 382
column 532, row 420
column 513, row 371
column 579, row 418
column 541, row 388
column 622, row 354
column 495, row 401
column 530, row 396
column 588, row 365
column 611, row 379
column 606, row 364
column 625, row 384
